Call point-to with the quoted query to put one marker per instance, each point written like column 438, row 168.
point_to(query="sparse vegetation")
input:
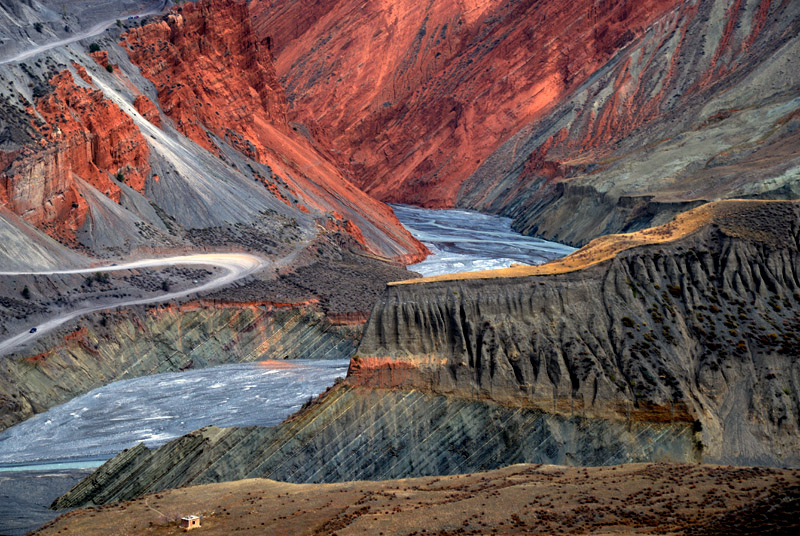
column 110, row 68
column 94, row 47
column 675, row 290
column 99, row 277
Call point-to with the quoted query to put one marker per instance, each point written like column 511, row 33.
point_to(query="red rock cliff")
column 216, row 78
column 415, row 97
column 83, row 136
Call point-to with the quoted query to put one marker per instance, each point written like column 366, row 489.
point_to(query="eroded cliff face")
column 212, row 74
column 575, row 118
column 107, row 347
column 83, row 137
column 702, row 329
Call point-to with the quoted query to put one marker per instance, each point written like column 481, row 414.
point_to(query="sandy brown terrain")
column 520, row 499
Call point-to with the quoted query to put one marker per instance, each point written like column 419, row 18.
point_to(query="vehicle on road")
column 33, row 330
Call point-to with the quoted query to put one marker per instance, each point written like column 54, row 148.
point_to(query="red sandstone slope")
column 242, row 162
column 83, row 136
column 577, row 118
column 415, row 97
column 214, row 78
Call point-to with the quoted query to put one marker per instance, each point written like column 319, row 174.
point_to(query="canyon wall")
column 216, row 81
column 703, row 106
column 574, row 118
column 107, row 347
column 454, row 78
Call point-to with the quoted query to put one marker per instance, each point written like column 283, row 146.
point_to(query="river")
column 466, row 241
column 155, row 409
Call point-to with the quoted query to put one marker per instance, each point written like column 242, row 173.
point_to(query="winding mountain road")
column 97, row 29
column 236, row 265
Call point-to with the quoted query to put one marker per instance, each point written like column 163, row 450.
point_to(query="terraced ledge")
column 730, row 214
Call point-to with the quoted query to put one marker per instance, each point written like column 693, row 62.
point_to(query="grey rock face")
column 706, row 328
column 357, row 434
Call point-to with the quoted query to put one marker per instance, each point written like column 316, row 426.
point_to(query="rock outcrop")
column 84, row 135
column 701, row 329
column 681, row 348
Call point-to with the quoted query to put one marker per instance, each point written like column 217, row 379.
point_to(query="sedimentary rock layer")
column 84, row 136
column 702, row 328
column 365, row 434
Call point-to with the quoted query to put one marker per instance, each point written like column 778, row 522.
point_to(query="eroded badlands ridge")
column 703, row 328
column 679, row 350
